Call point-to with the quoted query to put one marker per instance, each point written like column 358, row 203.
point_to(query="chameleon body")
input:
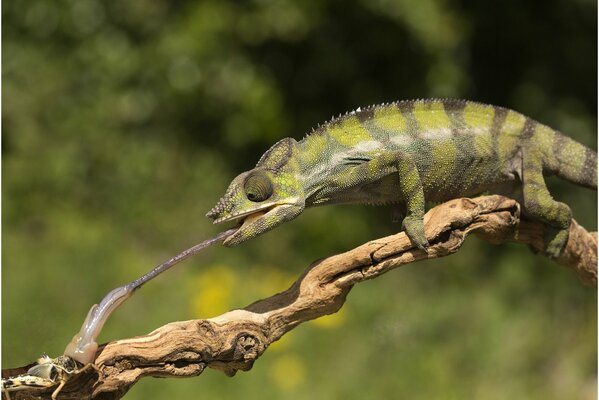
column 407, row 153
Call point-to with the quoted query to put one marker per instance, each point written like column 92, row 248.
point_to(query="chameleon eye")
column 258, row 187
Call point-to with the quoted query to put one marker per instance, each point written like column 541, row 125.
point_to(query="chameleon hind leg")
column 410, row 188
column 539, row 204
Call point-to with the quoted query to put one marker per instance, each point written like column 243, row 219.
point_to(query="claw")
column 414, row 228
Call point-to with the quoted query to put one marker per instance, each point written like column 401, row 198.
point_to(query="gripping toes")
column 555, row 242
column 414, row 228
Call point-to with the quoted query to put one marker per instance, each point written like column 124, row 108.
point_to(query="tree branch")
column 234, row 340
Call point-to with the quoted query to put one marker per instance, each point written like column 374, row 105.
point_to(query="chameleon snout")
column 222, row 207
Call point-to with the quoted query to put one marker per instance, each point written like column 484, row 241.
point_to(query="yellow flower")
column 213, row 289
column 272, row 280
column 288, row 372
column 332, row 321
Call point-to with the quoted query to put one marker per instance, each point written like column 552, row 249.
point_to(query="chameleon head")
column 263, row 197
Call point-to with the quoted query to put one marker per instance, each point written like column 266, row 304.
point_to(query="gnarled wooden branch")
column 234, row 340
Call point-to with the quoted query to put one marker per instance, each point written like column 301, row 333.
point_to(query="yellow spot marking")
column 543, row 136
column 431, row 116
column 350, row 132
column 374, row 168
column 409, row 179
column 574, row 160
column 483, row 144
column 479, row 116
column 315, row 144
column 534, row 176
column 444, row 155
column 514, row 122
column 510, row 134
column 551, row 212
column 390, row 118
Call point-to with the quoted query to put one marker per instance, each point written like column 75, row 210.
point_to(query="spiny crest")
column 366, row 113
column 277, row 155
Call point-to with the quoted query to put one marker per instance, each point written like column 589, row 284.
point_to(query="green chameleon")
column 402, row 153
column 407, row 153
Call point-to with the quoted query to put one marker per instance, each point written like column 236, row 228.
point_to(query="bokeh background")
column 124, row 121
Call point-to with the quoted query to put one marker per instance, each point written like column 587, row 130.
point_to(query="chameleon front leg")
column 410, row 188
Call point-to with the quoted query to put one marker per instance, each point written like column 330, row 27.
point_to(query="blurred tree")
column 124, row 121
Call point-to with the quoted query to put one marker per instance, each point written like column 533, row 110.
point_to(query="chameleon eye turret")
column 263, row 198
column 258, row 187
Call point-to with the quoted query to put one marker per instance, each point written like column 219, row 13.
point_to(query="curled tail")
column 572, row 161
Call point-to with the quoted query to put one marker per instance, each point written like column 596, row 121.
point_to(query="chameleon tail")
column 572, row 161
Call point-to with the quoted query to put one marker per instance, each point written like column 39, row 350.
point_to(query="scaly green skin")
column 407, row 153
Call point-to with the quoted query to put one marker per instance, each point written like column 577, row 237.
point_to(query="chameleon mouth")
column 246, row 217
column 252, row 217
column 255, row 223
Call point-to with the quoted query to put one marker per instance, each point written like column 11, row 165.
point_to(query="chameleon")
column 405, row 154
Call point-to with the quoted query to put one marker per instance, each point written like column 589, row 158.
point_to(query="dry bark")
column 234, row 340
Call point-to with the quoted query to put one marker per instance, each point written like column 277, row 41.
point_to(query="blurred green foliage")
column 125, row 120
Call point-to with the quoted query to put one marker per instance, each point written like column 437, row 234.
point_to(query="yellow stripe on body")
column 390, row 119
column 510, row 134
column 479, row 116
column 431, row 117
column 444, row 155
column 572, row 161
column 543, row 137
column 313, row 151
column 349, row 132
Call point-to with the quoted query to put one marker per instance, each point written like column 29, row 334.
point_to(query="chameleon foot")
column 555, row 242
column 414, row 228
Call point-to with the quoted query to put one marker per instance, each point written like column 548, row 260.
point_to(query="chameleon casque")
column 407, row 153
